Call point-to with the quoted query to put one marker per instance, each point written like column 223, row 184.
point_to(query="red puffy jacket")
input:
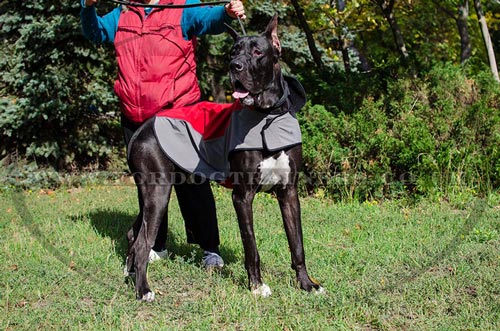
column 156, row 65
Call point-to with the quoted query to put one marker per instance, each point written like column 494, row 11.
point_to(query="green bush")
column 57, row 105
column 435, row 135
column 344, row 154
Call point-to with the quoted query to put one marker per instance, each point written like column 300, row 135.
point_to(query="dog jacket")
column 199, row 138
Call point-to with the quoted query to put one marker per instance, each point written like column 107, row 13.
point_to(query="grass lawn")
column 385, row 266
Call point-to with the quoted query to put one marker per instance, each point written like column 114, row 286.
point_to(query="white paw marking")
column 156, row 256
column 274, row 171
column 263, row 291
column 148, row 297
column 320, row 291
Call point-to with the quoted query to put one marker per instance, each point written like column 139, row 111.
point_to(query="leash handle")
column 241, row 26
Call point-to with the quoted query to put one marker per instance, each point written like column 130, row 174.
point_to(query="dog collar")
column 277, row 105
column 294, row 96
column 281, row 101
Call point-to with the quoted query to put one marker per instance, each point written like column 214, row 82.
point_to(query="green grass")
column 387, row 266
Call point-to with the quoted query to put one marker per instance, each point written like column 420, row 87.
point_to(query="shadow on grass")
column 115, row 224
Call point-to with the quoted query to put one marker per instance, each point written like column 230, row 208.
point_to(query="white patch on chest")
column 274, row 171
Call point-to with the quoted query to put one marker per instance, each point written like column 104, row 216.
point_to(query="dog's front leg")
column 290, row 210
column 288, row 200
column 245, row 179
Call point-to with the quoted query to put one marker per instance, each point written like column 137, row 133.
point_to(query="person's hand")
column 90, row 3
column 234, row 9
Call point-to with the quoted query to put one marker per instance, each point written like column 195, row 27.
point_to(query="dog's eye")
column 257, row 52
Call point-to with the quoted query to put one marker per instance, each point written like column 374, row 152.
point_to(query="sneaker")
column 212, row 260
column 156, row 256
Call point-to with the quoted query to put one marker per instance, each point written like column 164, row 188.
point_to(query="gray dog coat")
column 200, row 137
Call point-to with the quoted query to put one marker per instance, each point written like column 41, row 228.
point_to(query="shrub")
column 438, row 134
column 343, row 154
column 58, row 107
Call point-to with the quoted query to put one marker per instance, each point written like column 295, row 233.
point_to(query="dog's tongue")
column 240, row 94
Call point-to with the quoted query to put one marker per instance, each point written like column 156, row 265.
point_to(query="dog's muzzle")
column 241, row 90
column 236, row 66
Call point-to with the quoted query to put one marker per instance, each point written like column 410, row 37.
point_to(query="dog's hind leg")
column 131, row 237
column 154, row 211
column 153, row 177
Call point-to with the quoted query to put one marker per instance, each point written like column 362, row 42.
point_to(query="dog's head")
column 255, row 71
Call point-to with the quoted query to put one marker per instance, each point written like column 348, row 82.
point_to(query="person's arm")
column 198, row 21
column 95, row 28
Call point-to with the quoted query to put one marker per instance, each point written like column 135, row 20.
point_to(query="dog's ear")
column 272, row 32
column 232, row 31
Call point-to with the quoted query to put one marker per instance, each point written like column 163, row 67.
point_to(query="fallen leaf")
column 21, row 304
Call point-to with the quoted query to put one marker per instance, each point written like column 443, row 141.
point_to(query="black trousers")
column 197, row 205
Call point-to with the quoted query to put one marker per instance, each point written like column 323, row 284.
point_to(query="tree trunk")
column 345, row 57
column 340, row 5
column 316, row 55
column 343, row 43
column 388, row 13
column 462, row 26
column 487, row 39
column 463, row 30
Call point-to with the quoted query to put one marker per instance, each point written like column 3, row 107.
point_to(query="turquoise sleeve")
column 96, row 28
column 198, row 21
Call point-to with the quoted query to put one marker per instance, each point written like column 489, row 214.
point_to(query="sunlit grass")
column 389, row 266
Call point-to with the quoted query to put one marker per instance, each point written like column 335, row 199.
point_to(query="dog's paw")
column 148, row 297
column 157, row 256
column 319, row 291
column 263, row 291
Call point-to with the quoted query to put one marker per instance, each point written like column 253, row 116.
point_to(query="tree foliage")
column 56, row 96
column 355, row 59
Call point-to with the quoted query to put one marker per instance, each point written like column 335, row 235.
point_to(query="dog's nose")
column 236, row 65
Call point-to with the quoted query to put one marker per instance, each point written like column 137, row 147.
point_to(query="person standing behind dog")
column 155, row 52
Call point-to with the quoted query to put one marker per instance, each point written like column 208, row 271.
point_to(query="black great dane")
column 260, row 86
